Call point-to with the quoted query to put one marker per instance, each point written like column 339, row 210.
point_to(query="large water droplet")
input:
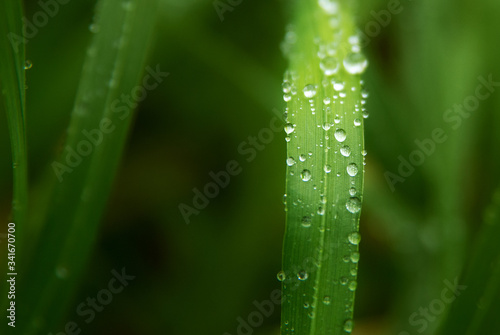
column 340, row 135
column 305, row 175
column 352, row 169
column 354, row 238
column 355, row 63
column 345, row 151
column 353, row 205
column 329, row 65
column 309, row 91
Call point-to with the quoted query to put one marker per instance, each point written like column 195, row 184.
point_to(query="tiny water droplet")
column 305, row 175
column 355, row 63
column 287, row 87
column 348, row 326
column 281, row 276
column 357, row 122
column 28, row 64
column 354, row 238
column 287, row 97
column 306, row 221
column 321, row 211
column 306, row 305
column 302, row 275
column 345, row 151
column 327, row 101
column 352, row 169
column 328, row 168
column 344, row 281
column 352, row 191
column 355, row 257
column 290, row 161
column 363, row 152
column 352, row 285
column 302, row 158
column 326, row 125
column 61, row 272
column 309, row 91
column 326, row 300
column 340, row 135
column 337, row 86
column 329, row 66
column 364, row 93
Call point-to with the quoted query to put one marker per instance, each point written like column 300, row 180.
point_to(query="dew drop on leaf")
column 309, row 91
column 353, row 205
column 302, row 275
column 355, row 63
column 352, row 169
column 340, row 135
column 305, row 175
column 354, row 238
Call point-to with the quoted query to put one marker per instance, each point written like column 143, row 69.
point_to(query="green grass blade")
column 12, row 86
column 113, row 68
column 475, row 308
column 325, row 169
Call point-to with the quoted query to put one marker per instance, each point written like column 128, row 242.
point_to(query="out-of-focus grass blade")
column 475, row 307
column 324, row 186
column 12, row 87
column 96, row 134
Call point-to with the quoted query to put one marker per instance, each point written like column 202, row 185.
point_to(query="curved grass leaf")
column 475, row 308
column 324, row 186
column 12, row 88
column 99, row 124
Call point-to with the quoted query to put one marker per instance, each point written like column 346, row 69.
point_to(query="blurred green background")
column 224, row 84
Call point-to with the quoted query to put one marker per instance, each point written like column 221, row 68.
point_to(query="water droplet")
column 306, row 305
column 28, row 64
column 352, row 191
column 326, row 125
column 329, row 6
column 302, row 158
column 328, row 168
column 287, row 87
column 363, row 152
column 327, row 101
column 342, row 94
column 321, row 211
column 365, row 114
column 352, row 169
column 287, row 138
column 345, row 151
column 94, row 28
column 289, row 128
column 340, row 135
column 302, row 275
column 353, row 285
column 281, row 276
column 355, row 257
column 305, row 175
column 364, row 93
column 306, row 221
column 353, row 205
column 344, row 281
column 61, row 272
column 354, row 238
column 290, row 161
column 329, row 66
column 287, row 97
column 309, row 91
column 326, row 300
column 357, row 122
column 337, row 86
column 348, row 326
column 355, row 63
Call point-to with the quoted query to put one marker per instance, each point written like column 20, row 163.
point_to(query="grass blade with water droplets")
column 324, row 183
